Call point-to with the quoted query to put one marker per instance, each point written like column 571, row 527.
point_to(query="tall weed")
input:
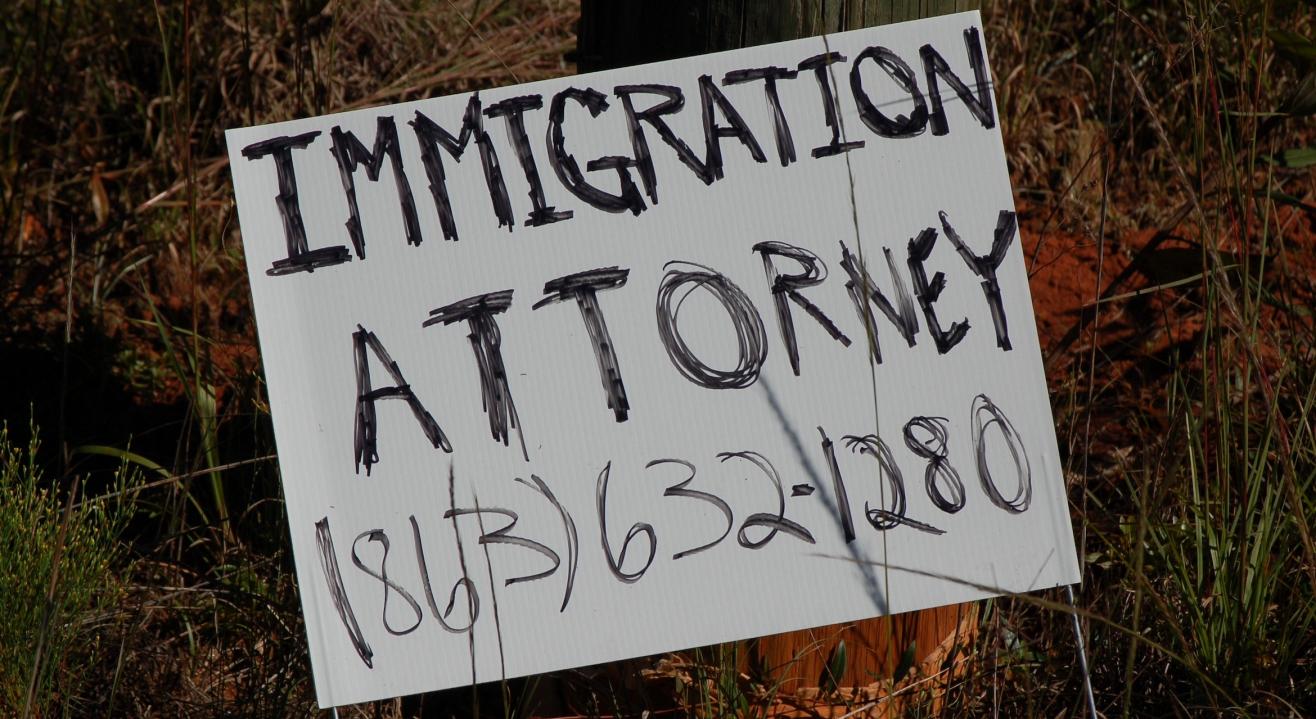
column 56, row 570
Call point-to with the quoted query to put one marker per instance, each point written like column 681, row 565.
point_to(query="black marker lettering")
column 986, row 265
column 899, row 71
column 711, row 96
column 781, row 130
column 472, row 599
column 926, row 437
column 615, row 562
column 920, row 249
column 980, row 105
column 789, row 286
column 564, row 165
column 351, row 154
column 883, row 519
column 820, row 66
column 774, row 522
column 838, row 486
column 333, row 577
column 366, row 434
column 300, row 257
column 986, row 415
column 672, row 104
column 502, row 536
column 901, row 315
column 752, row 340
column 679, row 490
column 432, row 138
column 378, row 535
column 461, row 560
column 486, row 343
column 584, row 288
column 513, row 111
column 569, row 527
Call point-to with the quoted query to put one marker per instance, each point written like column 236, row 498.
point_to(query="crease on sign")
column 466, row 576
column 869, row 329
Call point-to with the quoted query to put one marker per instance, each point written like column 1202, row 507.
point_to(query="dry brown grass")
column 1136, row 151
column 117, row 224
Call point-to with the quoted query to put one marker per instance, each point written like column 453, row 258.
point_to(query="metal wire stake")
column 1082, row 653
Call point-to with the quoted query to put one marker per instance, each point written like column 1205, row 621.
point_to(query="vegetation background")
column 1163, row 168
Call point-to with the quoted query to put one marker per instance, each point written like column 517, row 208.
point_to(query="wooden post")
column 620, row 33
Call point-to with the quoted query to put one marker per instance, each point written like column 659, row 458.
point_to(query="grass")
column 1199, row 528
column 57, row 558
column 1162, row 149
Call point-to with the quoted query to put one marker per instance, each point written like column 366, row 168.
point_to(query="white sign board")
column 652, row 358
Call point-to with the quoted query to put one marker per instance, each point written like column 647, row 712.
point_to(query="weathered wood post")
column 616, row 33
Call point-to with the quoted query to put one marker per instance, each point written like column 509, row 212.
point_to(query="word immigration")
column 719, row 120
column 529, row 417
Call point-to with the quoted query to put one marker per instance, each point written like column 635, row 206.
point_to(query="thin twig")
column 172, row 479
column 480, row 37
